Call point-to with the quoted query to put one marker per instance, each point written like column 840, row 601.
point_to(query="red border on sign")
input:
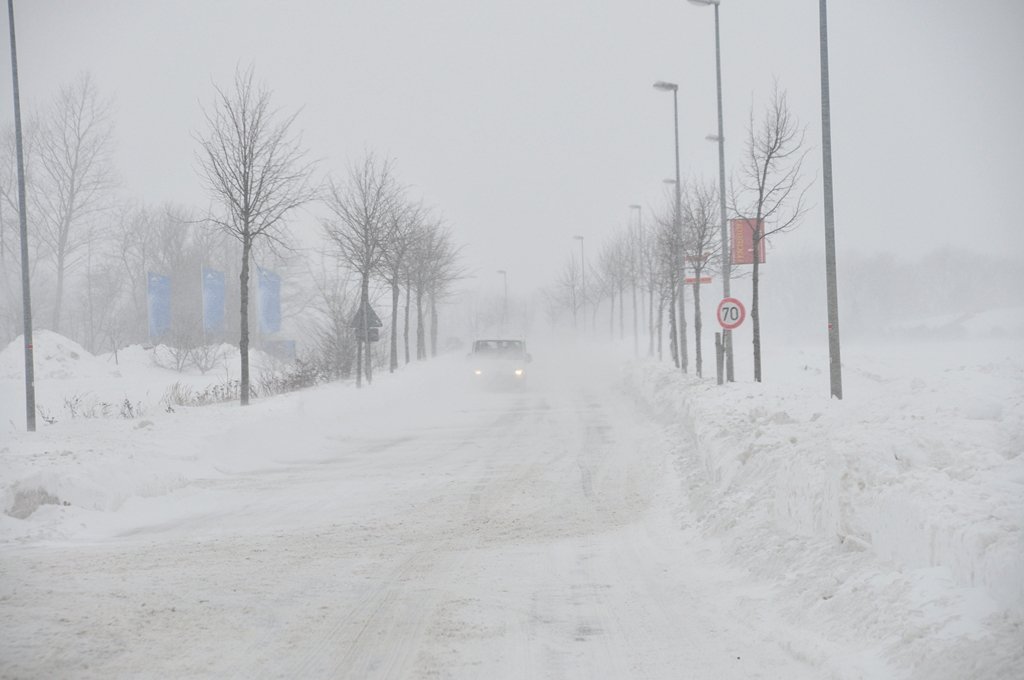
column 718, row 313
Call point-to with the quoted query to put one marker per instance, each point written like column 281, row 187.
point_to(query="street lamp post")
column 634, row 274
column 831, row 287
column 26, row 297
column 677, row 224
column 504, row 306
column 720, row 138
column 583, row 282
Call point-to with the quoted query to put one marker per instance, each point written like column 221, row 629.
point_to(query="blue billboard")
column 213, row 301
column 158, row 304
column 269, row 297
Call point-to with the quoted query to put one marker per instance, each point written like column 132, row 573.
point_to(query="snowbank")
column 906, row 495
column 55, row 358
column 134, row 382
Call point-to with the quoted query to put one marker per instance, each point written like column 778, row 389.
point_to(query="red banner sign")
column 743, row 241
column 690, row 280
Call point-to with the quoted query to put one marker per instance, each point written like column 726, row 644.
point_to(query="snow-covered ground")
column 617, row 519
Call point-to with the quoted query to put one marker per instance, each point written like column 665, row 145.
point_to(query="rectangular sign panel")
column 213, row 301
column 269, row 301
column 158, row 304
column 743, row 241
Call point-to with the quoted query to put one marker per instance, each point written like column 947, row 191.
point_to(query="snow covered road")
column 420, row 532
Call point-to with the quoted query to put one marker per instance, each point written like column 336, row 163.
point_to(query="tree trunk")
column 359, row 361
column 421, row 337
column 673, row 327
column 611, row 315
column 659, row 326
column 433, row 326
column 697, row 324
column 651, row 324
column 60, row 294
column 243, row 342
column 622, row 310
column 393, row 364
column 636, row 326
column 755, row 314
column 365, row 297
column 684, row 359
column 405, row 330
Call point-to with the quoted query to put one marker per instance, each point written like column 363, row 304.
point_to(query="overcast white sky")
column 530, row 121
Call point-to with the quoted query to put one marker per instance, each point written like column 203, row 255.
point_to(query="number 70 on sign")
column 731, row 313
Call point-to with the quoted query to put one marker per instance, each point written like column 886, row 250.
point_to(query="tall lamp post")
column 504, row 306
column 677, row 222
column 720, row 138
column 831, row 287
column 26, row 298
column 583, row 282
column 633, row 271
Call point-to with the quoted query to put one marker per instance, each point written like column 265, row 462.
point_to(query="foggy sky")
column 527, row 122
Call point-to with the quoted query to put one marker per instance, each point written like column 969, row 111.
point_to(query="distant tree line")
column 652, row 266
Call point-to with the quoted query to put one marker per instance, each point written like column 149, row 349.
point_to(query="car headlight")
column 478, row 371
column 519, row 371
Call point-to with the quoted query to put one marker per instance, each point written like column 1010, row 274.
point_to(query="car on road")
column 499, row 361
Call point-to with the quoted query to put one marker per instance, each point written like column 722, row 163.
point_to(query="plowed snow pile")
column 897, row 512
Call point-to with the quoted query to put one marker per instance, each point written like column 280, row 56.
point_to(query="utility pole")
column 26, row 298
column 832, row 291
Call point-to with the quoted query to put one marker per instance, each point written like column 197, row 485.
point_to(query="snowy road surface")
column 466, row 534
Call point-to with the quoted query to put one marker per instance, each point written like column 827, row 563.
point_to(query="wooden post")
column 719, row 357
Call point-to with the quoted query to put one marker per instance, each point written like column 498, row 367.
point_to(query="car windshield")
column 499, row 348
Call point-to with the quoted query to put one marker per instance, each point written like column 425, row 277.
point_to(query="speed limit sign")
column 731, row 313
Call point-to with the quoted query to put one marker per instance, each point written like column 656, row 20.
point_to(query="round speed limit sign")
column 731, row 313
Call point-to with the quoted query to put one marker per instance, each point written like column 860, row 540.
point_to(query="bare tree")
column 73, row 175
column 331, row 303
column 362, row 229
column 770, row 189
column 406, row 221
column 669, row 264
column 434, row 266
column 613, row 273
column 647, row 250
column 257, row 170
column 701, row 215
column 445, row 271
column 565, row 295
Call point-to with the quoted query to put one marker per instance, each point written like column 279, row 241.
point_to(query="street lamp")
column 504, row 306
column 583, row 282
column 720, row 138
column 677, row 222
column 831, row 287
column 634, row 274
column 26, row 296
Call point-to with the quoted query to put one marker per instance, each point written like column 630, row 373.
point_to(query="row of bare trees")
column 636, row 276
column 380, row 234
column 653, row 259
column 258, row 173
column 91, row 251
